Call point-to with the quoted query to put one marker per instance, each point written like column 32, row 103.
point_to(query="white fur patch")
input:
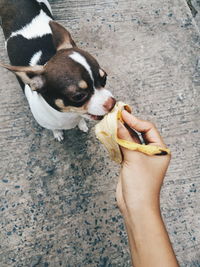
column 35, row 58
column 81, row 60
column 46, row 3
column 48, row 117
column 83, row 126
column 38, row 27
column 99, row 98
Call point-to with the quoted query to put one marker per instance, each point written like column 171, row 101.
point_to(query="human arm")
column 138, row 197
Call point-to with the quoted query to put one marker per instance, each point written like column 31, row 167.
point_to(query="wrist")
column 143, row 211
column 145, row 201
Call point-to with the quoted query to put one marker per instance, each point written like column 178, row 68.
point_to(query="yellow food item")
column 106, row 132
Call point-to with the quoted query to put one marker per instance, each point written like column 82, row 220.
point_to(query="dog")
column 62, row 83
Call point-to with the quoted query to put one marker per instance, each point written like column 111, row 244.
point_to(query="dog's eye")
column 103, row 80
column 102, row 77
column 79, row 97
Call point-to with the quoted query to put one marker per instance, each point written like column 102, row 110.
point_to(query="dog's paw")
column 83, row 126
column 58, row 135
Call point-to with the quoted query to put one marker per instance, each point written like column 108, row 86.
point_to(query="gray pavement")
column 194, row 6
column 57, row 201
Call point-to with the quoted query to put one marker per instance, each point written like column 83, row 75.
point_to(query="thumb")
column 123, row 133
column 129, row 135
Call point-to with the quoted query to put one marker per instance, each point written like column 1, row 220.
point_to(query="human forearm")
column 148, row 238
column 138, row 194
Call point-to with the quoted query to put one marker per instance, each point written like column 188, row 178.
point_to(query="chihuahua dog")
column 62, row 83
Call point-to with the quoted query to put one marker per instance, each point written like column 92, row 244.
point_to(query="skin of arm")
column 138, row 196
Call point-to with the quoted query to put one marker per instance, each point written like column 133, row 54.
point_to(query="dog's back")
column 18, row 13
column 26, row 29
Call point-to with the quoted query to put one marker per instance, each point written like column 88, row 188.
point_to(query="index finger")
column 148, row 130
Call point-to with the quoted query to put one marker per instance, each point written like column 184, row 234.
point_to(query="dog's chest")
column 48, row 117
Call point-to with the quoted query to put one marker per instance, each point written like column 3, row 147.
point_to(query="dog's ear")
column 31, row 75
column 61, row 37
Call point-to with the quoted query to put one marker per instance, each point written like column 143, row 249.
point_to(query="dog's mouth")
column 95, row 117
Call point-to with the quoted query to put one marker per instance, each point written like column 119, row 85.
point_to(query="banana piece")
column 106, row 132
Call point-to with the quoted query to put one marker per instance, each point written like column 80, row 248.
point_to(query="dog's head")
column 71, row 80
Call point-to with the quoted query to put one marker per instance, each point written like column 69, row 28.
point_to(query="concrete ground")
column 57, row 200
column 194, row 6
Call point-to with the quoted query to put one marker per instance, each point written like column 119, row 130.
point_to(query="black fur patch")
column 21, row 50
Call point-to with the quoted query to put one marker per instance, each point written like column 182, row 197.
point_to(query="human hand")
column 141, row 176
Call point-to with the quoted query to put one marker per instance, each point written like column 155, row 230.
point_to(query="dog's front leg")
column 58, row 135
column 83, row 126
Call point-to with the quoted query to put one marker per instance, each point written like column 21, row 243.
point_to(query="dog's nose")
column 109, row 104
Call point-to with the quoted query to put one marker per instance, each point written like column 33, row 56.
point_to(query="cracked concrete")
column 195, row 9
column 57, row 201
